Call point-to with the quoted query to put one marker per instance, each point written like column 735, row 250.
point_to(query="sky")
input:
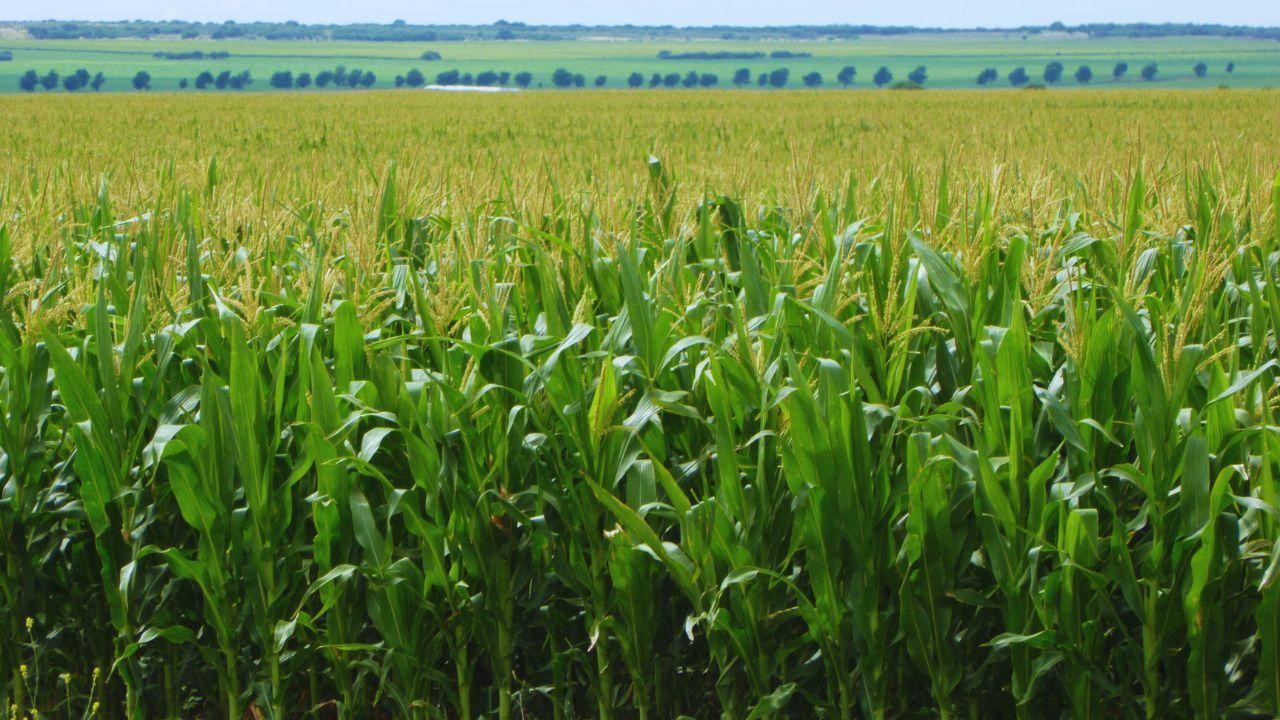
column 933, row 13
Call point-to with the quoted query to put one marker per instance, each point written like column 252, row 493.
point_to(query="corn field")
column 781, row 406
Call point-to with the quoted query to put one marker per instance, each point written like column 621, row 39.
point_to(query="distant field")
column 952, row 61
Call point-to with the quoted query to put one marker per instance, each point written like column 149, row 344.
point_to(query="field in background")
column 640, row 405
column 953, row 62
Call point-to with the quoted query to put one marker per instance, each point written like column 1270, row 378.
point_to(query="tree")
column 601, row 80
column 1053, row 73
column 988, row 76
column 778, row 78
column 763, row 80
column 324, row 78
column 882, row 77
column 579, row 80
column 415, row 78
column 813, row 79
column 76, row 80
column 430, row 56
column 303, row 80
column 1084, row 74
column 1149, row 71
column 1201, row 69
column 368, row 79
column 142, row 81
column 204, row 80
column 282, row 80
column 50, row 80
column 671, row 80
column 1019, row 77
column 562, row 78
column 707, row 80
column 183, row 83
column 655, row 81
column 846, row 75
column 1231, row 67
column 524, row 79
column 742, row 76
column 29, row 81
column 355, row 76
column 504, row 78
column 635, row 80
column 1120, row 69
column 487, row 78
column 919, row 75
column 98, row 80
column 223, row 80
column 690, row 80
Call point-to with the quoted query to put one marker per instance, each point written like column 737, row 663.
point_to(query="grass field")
column 953, row 62
column 632, row 404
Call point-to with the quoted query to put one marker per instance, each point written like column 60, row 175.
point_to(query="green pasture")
column 952, row 61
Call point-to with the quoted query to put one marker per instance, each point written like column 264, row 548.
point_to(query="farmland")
column 640, row 404
column 951, row 61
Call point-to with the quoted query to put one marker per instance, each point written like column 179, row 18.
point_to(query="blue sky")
column 944, row 13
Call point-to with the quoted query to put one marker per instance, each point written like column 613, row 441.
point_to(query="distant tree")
column 97, row 81
column 448, row 77
column 742, row 76
column 487, row 78
column 763, row 80
column 1019, row 77
column 1201, row 69
column 50, row 80
column 707, row 80
column 355, row 76
column 655, row 81
column 882, row 77
column 988, row 76
column 183, row 83
column 430, row 56
column 368, row 79
column 282, row 80
column 1120, row 69
column 813, row 79
column 671, row 80
column 504, row 78
column 579, row 80
column 29, row 81
column 76, row 81
column 1231, row 67
column 562, row 78
column 1149, row 71
column 778, row 78
column 846, row 75
column 241, row 80
column 204, row 80
column 303, row 80
column 142, row 81
column 919, row 75
column 635, row 80
column 399, row 81
column 601, row 80
column 690, row 80
column 505, row 34
column 1053, row 73
column 324, row 78
column 1084, row 74
column 414, row 78
column 524, row 79
column 223, row 80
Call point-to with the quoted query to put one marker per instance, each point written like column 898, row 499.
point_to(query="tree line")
column 1054, row 72
column 340, row 77
column 400, row 31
